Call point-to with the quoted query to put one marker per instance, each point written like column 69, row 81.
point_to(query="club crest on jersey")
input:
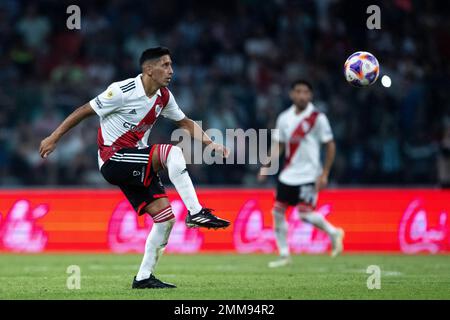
column 158, row 109
column 299, row 135
column 305, row 126
column 109, row 94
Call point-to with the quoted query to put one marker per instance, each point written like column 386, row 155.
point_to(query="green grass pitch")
column 227, row 277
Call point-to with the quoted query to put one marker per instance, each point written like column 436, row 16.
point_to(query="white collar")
column 140, row 87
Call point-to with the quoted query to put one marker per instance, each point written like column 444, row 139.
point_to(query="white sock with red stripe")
column 154, row 246
column 319, row 221
column 173, row 159
column 281, row 228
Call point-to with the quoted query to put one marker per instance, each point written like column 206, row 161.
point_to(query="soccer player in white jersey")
column 128, row 109
column 302, row 130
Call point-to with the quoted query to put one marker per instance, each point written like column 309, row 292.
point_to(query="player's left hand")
column 224, row 151
column 47, row 146
column 322, row 181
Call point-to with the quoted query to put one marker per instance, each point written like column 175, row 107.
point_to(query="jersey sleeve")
column 324, row 129
column 108, row 101
column 172, row 111
column 279, row 134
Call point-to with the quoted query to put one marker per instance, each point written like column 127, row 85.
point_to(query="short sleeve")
column 172, row 111
column 279, row 134
column 324, row 129
column 108, row 101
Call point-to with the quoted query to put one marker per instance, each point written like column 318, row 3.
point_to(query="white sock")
column 154, row 246
column 281, row 229
column 318, row 221
column 178, row 175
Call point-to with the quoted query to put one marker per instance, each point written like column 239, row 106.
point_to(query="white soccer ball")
column 361, row 69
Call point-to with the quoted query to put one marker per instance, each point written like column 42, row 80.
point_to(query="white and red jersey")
column 302, row 135
column 127, row 115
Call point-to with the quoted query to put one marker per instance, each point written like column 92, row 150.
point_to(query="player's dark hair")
column 303, row 82
column 153, row 53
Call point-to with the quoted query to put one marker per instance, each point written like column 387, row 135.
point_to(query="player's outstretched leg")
column 171, row 157
column 336, row 234
column 154, row 246
column 281, row 229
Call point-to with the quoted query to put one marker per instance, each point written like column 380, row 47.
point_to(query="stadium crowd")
column 233, row 63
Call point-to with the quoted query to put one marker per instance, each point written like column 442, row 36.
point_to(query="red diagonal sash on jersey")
column 131, row 137
column 299, row 133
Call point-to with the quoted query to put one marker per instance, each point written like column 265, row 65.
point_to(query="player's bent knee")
column 175, row 162
column 177, row 154
column 304, row 210
column 305, row 215
column 163, row 215
column 160, row 210
column 161, row 154
column 156, row 205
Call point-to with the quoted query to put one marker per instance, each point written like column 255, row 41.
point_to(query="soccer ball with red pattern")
column 361, row 69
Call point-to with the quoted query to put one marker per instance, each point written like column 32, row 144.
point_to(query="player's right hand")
column 47, row 147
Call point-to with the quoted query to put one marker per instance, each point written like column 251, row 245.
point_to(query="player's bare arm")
column 276, row 149
column 330, row 153
column 197, row 133
column 49, row 144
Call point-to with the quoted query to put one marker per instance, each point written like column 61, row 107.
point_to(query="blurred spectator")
column 420, row 152
column 34, row 28
column 94, row 23
column 137, row 43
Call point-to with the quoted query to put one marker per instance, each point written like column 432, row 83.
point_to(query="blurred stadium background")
column 233, row 63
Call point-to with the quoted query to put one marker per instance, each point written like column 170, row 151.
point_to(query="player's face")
column 301, row 95
column 161, row 71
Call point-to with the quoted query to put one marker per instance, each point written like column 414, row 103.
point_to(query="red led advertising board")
column 375, row 220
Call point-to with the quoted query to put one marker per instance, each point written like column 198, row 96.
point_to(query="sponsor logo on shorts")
column 143, row 174
column 158, row 109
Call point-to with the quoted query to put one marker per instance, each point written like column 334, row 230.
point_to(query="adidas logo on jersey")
column 128, row 87
column 132, row 111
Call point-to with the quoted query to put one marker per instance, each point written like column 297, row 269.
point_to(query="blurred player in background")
column 302, row 130
column 128, row 109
